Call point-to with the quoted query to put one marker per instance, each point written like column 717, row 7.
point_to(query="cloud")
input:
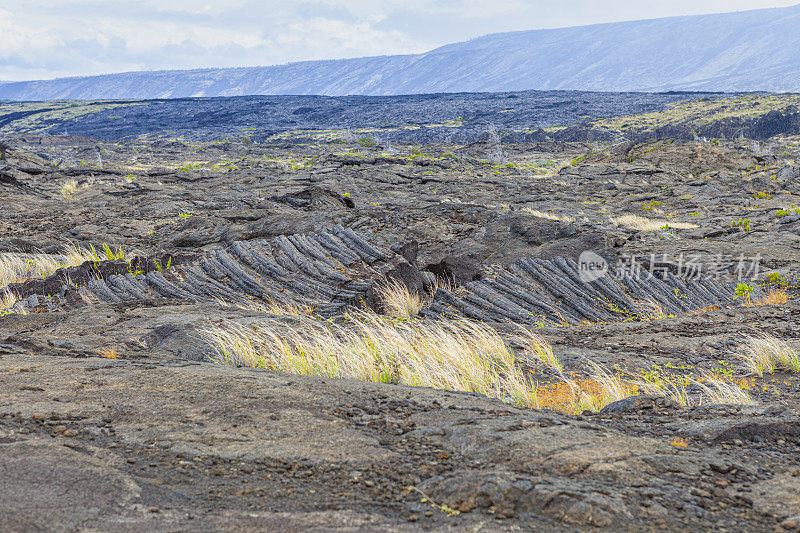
column 51, row 38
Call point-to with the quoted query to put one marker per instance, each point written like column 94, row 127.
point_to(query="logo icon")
column 591, row 267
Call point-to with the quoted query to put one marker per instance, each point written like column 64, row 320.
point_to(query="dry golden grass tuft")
column 640, row 223
column 604, row 387
column 777, row 296
column 271, row 308
column 459, row 355
column 578, row 395
column 108, row 352
column 7, row 300
column 549, row 216
column 704, row 310
column 650, row 309
column 463, row 355
column 721, row 392
column 17, row 268
column 680, row 442
column 613, row 387
column 71, row 186
column 398, row 301
column 763, row 354
column 540, row 351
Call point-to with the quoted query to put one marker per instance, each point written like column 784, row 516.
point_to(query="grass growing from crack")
column 719, row 391
column 549, row 216
column 17, row 268
column 283, row 309
column 540, row 351
column 640, row 223
column 71, row 186
column 399, row 301
column 463, row 356
column 764, row 354
column 7, row 300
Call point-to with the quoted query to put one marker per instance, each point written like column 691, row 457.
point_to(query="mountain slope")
column 745, row 51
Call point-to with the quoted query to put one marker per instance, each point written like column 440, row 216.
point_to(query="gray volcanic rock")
column 113, row 417
column 753, row 50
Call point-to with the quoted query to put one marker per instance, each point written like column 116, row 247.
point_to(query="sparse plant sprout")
column 578, row 160
column 109, row 253
column 780, row 213
column 763, row 195
column 160, row 267
column 449, row 511
column 190, row 167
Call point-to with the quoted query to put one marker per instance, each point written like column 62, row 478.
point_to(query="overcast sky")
column 42, row 39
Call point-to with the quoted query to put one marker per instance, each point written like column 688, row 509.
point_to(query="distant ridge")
column 745, row 51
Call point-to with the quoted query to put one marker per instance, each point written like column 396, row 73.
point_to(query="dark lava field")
column 454, row 117
column 491, row 312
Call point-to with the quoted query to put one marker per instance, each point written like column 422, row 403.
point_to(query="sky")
column 43, row 39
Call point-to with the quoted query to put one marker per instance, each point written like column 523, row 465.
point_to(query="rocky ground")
column 517, row 117
column 112, row 417
column 412, row 118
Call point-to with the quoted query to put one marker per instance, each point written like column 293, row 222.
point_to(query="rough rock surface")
column 112, row 417
column 160, row 444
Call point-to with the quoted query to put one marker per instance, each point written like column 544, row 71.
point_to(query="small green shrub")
column 786, row 212
column 367, row 141
column 776, row 278
column 651, row 205
column 743, row 223
column 743, row 290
